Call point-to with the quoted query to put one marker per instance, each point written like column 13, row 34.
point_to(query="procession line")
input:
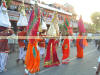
column 70, row 60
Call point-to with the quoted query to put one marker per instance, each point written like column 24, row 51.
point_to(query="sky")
column 82, row 7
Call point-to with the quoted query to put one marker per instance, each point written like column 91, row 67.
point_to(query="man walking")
column 4, row 47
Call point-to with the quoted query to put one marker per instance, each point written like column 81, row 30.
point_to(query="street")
column 35, row 24
column 85, row 66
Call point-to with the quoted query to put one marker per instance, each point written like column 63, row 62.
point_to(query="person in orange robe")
column 80, row 45
column 32, row 59
column 32, row 55
column 65, row 51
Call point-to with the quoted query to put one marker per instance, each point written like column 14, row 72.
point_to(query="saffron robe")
column 32, row 59
column 79, row 47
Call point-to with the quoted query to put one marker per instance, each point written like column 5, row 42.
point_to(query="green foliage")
column 8, row 2
column 95, row 17
column 63, row 29
column 60, row 26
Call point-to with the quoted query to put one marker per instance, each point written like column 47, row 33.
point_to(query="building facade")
column 48, row 12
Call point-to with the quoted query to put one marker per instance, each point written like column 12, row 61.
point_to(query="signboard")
column 13, row 18
column 13, row 15
column 13, row 7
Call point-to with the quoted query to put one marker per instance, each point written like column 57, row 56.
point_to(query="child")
column 4, row 50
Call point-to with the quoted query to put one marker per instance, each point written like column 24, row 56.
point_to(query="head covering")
column 54, row 28
column 4, row 19
column 22, row 19
column 44, row 27
column 81, row 25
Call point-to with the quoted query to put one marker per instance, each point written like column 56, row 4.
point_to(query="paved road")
column 85, row 66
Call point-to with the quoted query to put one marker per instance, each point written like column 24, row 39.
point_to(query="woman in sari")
column 81, row 42
column 51, row 58
column 65, row 51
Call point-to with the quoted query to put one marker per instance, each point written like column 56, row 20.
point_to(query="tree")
column 8, row 2
column 62, row 29
column 95, row 17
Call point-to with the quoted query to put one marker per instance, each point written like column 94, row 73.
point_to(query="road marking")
column 70, row 60
column 94, row 68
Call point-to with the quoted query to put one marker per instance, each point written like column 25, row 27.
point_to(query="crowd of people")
column 31, row 49
column 47, row 53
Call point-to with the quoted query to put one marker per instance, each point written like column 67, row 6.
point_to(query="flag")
column 66, row 24
column 30, row 21
column 34, row 23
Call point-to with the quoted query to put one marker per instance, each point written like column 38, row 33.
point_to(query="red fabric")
column 70, row 31
column 4, row 4
column 2, row 28
column 51, row 54
column 65, row 51
column 42, row 43
column 81, row 26
column 32, row 28
column 31, row 19
column 21, row 41
column 35, row 30
column 79, row 49
column 4, row 42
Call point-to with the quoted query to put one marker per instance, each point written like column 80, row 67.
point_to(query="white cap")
column 4, row 18
column 44, row 27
